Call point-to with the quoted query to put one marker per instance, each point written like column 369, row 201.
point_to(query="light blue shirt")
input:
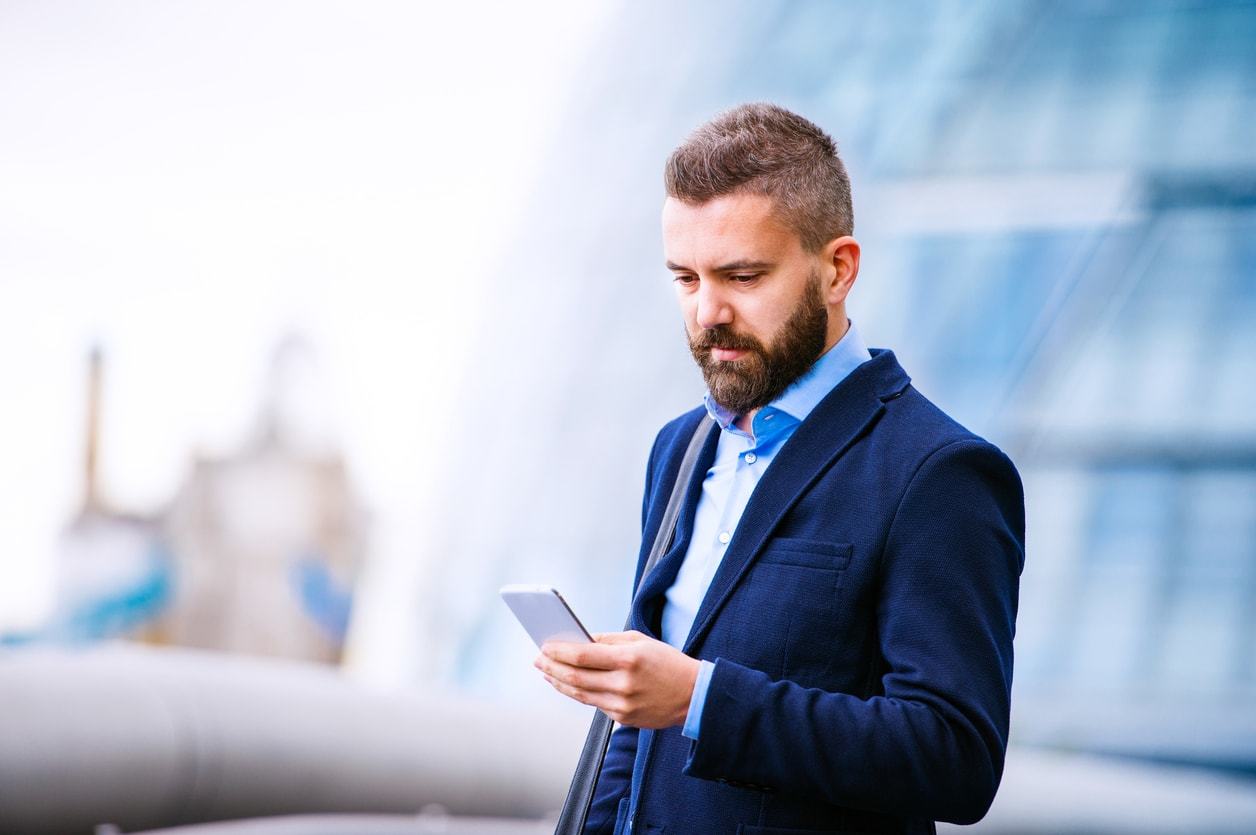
column 740, row 461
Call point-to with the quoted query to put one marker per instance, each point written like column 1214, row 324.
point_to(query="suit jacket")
column 860, row 624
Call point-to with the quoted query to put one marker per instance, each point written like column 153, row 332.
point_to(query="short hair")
column 761, row 148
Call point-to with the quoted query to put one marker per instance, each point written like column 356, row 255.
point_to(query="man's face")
column 752, row 298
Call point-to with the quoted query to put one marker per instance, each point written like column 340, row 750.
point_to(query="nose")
column 712, row 308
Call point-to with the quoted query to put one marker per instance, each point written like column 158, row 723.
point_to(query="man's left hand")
column 630, row 677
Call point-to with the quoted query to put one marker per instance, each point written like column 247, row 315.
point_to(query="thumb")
column 618, row 637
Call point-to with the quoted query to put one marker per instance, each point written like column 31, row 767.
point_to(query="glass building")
column 1057, row 204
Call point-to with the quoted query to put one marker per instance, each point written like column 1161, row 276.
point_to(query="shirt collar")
column 807, row 391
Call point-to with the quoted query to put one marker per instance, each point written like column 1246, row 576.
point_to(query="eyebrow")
column 743, row 264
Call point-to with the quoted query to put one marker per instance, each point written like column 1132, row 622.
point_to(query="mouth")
column 727, row 354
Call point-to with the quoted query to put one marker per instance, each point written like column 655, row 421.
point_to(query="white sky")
column 187, row 181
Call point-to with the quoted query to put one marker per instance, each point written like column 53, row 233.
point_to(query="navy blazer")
column 860, row 623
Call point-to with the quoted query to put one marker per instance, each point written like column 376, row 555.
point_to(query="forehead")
column 729, row 228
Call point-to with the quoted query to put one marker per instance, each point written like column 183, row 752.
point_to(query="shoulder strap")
column 584, row 781
column 667, row 527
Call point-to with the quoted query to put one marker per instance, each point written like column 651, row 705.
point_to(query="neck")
column 744, row 422
column 838, row 326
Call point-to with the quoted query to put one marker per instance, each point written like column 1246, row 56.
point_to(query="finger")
column 592, row 656
column 609, row 704
column 567, row 690
column 621, row 637
column 590, row 680
column 597, row 698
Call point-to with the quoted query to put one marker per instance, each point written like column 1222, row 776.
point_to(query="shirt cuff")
column 693, row 719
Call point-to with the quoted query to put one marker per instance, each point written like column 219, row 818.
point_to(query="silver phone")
column 544, row 614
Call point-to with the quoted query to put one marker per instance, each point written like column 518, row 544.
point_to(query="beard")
column 763, row 373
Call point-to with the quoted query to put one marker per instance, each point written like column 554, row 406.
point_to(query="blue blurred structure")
column 1057, row 203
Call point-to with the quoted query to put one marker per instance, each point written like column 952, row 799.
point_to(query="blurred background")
column 321, row 321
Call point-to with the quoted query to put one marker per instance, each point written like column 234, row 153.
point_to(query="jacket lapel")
column 836, row 422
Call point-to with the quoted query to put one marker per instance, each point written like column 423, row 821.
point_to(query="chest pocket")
column 784, row 613
column 806, row 553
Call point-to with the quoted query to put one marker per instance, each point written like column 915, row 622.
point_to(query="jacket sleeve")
column 932, row 745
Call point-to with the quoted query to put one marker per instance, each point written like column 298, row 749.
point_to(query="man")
column 827, row 644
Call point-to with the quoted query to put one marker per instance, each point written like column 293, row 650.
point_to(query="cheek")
column 754, row 323
column 765, row 317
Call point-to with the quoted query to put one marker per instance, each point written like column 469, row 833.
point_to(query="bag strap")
column 584, row 781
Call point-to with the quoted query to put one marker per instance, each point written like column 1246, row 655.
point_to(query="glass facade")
column 1058, row 209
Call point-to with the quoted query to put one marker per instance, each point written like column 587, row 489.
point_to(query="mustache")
column 723, row 336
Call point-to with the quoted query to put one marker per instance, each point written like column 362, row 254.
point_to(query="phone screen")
column 544, row 614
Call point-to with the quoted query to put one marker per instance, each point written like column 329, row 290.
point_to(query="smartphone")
column 544, row 614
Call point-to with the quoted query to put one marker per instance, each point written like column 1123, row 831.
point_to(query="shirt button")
column 751, row 458
column 725, row 536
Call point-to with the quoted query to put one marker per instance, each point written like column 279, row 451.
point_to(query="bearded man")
column 826, row 645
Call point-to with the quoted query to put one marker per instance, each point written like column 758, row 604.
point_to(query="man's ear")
column 843, row 255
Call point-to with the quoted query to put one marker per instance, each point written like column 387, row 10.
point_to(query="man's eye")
column 686, row 279
column 743, row 278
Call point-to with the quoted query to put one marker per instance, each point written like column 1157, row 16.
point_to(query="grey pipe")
column 144, row 738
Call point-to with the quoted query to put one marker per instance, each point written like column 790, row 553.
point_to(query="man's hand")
column 630, row 677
